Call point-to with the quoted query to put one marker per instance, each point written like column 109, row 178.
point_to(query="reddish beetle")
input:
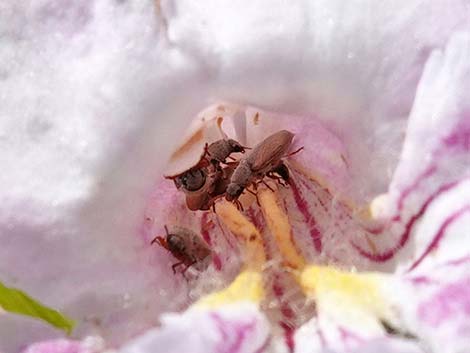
column 216, row 185
column 186, row 246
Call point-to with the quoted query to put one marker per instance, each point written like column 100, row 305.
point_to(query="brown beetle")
column 216, row 185
column 264, row 160
column 206, row 171
column 218, row 151
column 191, row 180
column 186, row 246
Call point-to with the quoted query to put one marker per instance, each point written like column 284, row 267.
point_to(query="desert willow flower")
column 365, row 249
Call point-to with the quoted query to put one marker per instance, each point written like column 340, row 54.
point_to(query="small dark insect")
column 206, row 172
column 186, row 246
column 191, row 180
column 264, row 160
column 218, row 151
column 215, row 187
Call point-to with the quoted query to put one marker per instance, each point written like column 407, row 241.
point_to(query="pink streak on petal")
column 230, row 331
column 287, row 312
column 56, row 346
column 452, row 300
column 348, row 336
column 289, row 336
column 230, row 241
column 458, row 262
column 206, row 236
column 438, row 237
column 407, row 191
column 385, row 256
column 257, row 219
column 460, row 137
column 312, row 190
column 421, row 280
column 309, row 219
column 322, row 338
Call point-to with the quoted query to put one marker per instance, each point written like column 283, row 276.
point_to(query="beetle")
column 185, row 245
column 214, row 155
column 264, row 160
column 191, row 180
column 218, row 151
column 216, row 186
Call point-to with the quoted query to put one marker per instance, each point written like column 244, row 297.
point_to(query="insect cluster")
column 218, row 174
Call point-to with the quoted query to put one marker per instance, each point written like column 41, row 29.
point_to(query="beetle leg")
column 266, row 184
column 279, row 179
column 251, row 192
column 206, row 150
column 238, row 204
column 214, row 199
column 175, row 266
column 160, row 241
column 206, row 155
column 188, row 266
column 256, row 195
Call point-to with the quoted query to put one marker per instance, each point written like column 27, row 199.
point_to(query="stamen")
column 278, row 224
column 353, row 290
column 246, row 232
column 248, row 286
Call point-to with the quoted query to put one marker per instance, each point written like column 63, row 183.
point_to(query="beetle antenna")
column 166, row 230
column 296, row 151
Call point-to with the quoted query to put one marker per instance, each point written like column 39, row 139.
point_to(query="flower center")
column 287, row 221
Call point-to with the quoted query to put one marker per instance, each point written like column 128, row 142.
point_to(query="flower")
column 113, row 70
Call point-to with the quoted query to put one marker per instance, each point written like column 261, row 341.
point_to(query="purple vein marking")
column 407, row 191
column 206, row 236
column 309, row 219
column 385, row 256
column 439, row 235
column 238, row 330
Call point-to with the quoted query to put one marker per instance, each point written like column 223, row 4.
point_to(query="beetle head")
column 233, row 191
column 192, row 180
column 235, row 146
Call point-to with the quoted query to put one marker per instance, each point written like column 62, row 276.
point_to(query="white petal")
column 314, row 337
column 435, row 305
column 428, row 195
column 88, row 117
column 237, row 328
column 88, row 345
column 436, row 146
